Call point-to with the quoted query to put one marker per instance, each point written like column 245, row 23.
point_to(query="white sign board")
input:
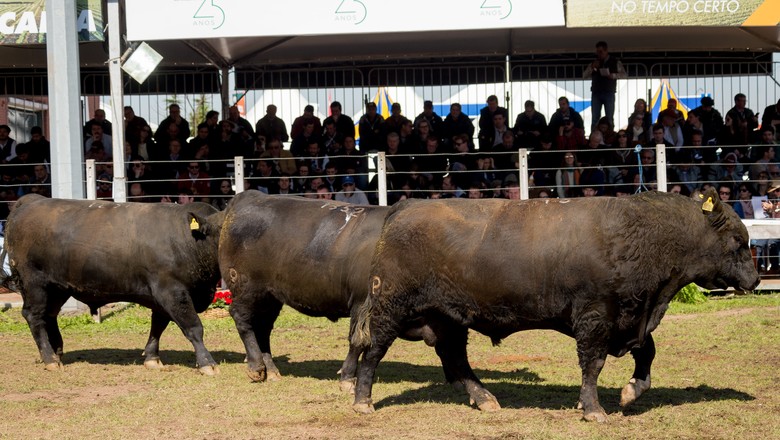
column 188, row 19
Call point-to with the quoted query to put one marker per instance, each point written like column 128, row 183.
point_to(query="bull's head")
column 727, row 247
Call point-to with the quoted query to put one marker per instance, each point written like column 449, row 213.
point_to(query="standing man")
column 345, row 126
column 604, row 71
column 162, row 135
column 271, row 126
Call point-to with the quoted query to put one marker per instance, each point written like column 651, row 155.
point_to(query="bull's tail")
column 361, row 335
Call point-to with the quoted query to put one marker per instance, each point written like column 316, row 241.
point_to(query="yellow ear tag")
column 707, row 206
column 195, row 226
column 701, row 196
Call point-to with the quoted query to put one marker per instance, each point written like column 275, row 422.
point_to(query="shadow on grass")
column 392, row 372
column 115, row 356
column 548, row 396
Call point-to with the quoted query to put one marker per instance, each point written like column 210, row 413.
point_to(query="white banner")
column 188, row 19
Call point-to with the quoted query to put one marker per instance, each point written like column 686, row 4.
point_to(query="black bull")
column 601, row 270
column 101, row 252
column 312, row 255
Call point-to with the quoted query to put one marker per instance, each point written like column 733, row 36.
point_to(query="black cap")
column 707, row 101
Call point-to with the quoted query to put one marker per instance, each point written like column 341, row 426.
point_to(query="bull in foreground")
column 313, row 255
column 161, row 256
column 601, row 270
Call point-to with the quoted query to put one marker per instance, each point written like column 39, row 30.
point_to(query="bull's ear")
column 712, row 207
column 199, row 225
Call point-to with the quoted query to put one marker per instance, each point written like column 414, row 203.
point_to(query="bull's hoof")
column 54, row 366
column 486, row 402
column 488, row 405
column 274, row 376
column 363, row 408
column 209, row 370
column 348, row 385
column 154, row 364
column 597, row 415
column 633, row 389
column 256, row 376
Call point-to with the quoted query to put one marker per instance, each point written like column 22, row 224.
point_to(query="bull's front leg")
column 160, row 321
column 591, row 336
column 181, row 311
column 640, row 381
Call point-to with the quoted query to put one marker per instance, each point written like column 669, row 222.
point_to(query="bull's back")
column 103, row 246
column 311, row 254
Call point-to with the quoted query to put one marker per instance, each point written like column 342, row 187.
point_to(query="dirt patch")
column 93, row 395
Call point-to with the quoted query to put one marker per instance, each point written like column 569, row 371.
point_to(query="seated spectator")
column 300, row 122
column 137, row 193
column 543, row 162
column 530, row 126
column 282, row 160
column 99, row 136
column 301, row 178
column 608, row 134
column 300, row 144
column 38, row 146
column 224, row 195
column 284, row 186
column 265, row 177
column 433, row 163
column 428, row 115
column 350, row 194
column 195, row 181
column 637, row 132
column 727, row 171
column 104, row 187
column 100, row 119
column 567, row 178
column 165, row 132
column 42, row 180
column 449, row 189
column 569, row 136
column 324, row 193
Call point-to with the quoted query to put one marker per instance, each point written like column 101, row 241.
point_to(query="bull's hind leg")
column 348, row 369
column 37, row 312
column 383, row 333
column 249, row 312
column 263, row 325
column 451, row 343
column 160, row 321
column 178, row 305
column 640, row 381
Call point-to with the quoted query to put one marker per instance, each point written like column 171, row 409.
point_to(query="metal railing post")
column 91, row 180
column 660, row 167
column 523, row 177
column 381, row 170
column 239, row 174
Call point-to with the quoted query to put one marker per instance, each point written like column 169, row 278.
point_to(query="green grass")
column 714, row 376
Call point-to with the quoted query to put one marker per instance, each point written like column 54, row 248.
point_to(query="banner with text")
column 184, row 19
column 24, row 22
column 637, row 13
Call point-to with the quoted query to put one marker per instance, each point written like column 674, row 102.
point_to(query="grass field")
column 715, row 376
